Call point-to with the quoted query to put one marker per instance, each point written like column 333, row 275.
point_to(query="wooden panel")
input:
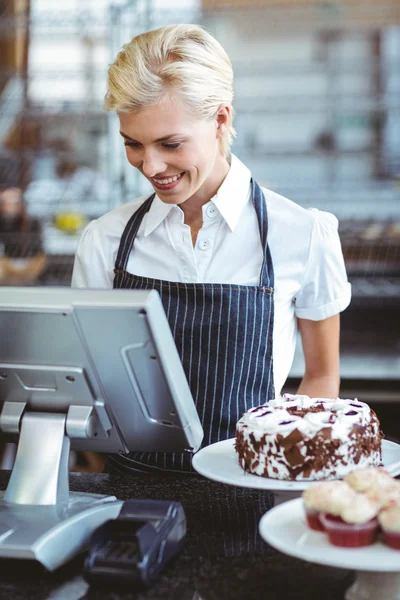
column 274, row 15
column 259, row 3
column 14, row 43
column 14, row 35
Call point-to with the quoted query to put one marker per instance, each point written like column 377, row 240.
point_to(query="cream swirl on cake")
column 297, row 437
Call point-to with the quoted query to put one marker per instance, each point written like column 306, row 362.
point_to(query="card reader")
column 136, row 546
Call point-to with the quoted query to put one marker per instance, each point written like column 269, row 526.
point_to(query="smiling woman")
column 239, row 268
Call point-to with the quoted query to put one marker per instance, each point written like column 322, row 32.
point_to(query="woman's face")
column 177, row 153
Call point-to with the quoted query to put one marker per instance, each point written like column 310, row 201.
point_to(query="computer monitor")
column 110, row 351
column 95, row 370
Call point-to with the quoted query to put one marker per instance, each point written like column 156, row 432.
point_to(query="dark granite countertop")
column 224, row 557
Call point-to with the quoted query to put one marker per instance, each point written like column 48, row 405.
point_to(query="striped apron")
column 223, row 333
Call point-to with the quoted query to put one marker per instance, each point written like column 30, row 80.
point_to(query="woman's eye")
column 132, row 144
column 173, row 146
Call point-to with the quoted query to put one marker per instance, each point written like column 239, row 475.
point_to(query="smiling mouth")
column 167, row 180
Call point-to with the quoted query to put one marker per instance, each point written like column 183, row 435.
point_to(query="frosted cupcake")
column 332, row 496
column 386, row 495
column 362, row 480
column 389, row 520
column 355, row 526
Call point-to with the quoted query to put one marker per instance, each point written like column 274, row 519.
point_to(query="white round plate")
column 219, row 462
column 284, row 527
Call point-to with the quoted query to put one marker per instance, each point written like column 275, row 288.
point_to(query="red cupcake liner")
column 349, row 535
column 313, row 520
column 391, row 538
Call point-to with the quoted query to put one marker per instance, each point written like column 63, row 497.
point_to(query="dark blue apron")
column 223, row 333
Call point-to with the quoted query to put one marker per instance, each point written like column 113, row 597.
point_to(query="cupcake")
column 389, row 520
column 330, row 496
column 363, row 479
column 386, row 495
column 355, row 526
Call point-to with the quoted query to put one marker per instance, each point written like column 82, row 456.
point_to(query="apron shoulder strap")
column 129, row 234
column 260, row 205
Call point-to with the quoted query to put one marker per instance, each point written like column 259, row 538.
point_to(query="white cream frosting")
column 385, row 495
column 329, row 496
column 390, row 519
column 364, row 479
column 360, row 510
column 281, row 421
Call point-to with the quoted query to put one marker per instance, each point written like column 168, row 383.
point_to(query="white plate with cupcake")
column 292, row 441
column 353, row 524
column 284, row 527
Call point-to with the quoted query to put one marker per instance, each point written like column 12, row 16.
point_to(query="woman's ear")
column 223, row 120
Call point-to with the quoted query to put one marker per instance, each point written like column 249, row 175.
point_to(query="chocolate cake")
column 300, row 438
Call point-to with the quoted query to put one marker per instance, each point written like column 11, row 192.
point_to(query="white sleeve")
column 92, row 268
column 325, row 290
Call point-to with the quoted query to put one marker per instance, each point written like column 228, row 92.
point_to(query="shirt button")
column 204, row 245
column 211, row 211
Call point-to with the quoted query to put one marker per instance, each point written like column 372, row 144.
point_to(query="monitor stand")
column 39, row 518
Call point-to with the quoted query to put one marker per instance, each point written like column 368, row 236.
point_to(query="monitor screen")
column 107, row 356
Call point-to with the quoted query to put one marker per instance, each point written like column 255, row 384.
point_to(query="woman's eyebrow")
column 161, row 139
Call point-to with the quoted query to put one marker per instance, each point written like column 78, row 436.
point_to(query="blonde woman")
column 237, row 266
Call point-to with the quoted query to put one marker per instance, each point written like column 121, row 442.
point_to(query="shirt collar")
column 159, row 211
column 230, row 199
column 234, row 192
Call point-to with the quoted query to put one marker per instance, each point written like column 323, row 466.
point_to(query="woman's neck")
column 192, row 207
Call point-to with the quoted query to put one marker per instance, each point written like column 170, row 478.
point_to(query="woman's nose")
column 152, row 164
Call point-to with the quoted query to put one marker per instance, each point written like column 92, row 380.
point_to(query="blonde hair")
column 181, row 61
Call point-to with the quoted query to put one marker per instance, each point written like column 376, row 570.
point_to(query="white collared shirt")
column 309, row 270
